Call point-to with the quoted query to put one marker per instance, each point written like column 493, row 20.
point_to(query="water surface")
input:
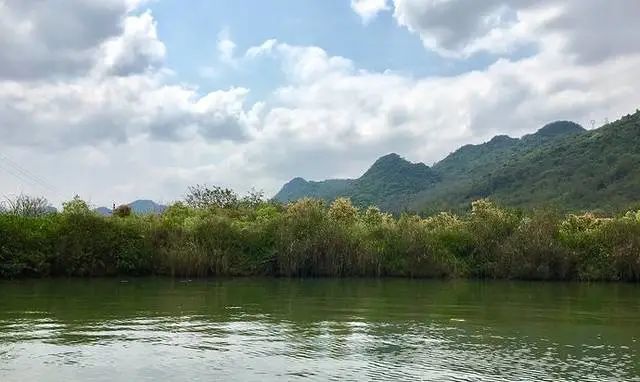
column 276, row 330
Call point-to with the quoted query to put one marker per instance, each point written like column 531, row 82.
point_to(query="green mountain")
column 326, row 189
column 389, row 183
column 561, row 165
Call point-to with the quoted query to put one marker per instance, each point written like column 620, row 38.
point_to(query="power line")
column 24, row 175
column 26, row 172
column 19, row 176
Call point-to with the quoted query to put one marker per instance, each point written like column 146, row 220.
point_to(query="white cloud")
column 90, row 111
column 136, row 50
column 226, row 47
column 52, row 39
column 122, row 95
column 369, row 9
column 225, row 57
column 262, row 49
column 589, row 29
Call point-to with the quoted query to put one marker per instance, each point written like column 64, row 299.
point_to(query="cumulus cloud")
column 136, row 50
column 590, row 30
column 369, row 9
column 457, row 27
column 598, row 30
column 55, row 38
column 226, row 47
column 91, row 111
column 117, row 92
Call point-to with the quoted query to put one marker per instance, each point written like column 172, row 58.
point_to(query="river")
column 155, row 329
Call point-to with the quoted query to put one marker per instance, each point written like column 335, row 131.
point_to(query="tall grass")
column 311, row 238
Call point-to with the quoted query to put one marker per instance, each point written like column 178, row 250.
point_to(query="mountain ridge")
column 139, row 207
column 560, row 164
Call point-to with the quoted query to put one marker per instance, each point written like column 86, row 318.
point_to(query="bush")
column 535, row 251
column 309, row 238
column 122, row 211
column 24, row 205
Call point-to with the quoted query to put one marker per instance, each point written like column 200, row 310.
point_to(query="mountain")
column 389, row 181
column 142, row 207
column 327, row 189
column 104, row 211
column 139, row 207
column 561, row 164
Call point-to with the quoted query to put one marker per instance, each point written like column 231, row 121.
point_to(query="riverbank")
column 309, row 238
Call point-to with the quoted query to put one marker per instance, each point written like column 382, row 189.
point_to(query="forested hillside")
column 561, row 165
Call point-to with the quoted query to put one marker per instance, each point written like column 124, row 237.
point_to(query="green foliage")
column 75, row 206
column 25, row 205
column 311, row 238
column 202, row 196
column 342, row 211
column 122, row 211
column 252, row 199
column 26, row 244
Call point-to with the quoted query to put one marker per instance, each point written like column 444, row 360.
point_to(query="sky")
column 117, row 100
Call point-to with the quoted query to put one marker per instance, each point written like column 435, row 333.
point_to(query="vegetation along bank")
column 215, row 233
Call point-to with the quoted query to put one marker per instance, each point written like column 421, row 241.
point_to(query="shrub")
column 76, row 206
column 24, row 205
column 122, row 211
column 535, row 251
column 309, row 238
column 208, row 197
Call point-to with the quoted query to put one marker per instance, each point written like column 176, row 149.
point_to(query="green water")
column 277, row 330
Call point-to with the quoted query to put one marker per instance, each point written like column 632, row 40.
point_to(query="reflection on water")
column 254, row 329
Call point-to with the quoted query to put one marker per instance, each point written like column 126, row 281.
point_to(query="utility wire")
column 18, row 176
column 26, row 172
column 24, row 175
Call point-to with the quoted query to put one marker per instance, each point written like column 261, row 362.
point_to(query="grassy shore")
column 310, row 238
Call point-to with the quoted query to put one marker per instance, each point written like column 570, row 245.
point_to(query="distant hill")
column 140, row 207
column 104, row 211
column 326, row 189
column 387, row 183
column 561, row 164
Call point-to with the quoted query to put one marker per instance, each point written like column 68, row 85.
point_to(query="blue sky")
column 191, row 32
column 116, row 100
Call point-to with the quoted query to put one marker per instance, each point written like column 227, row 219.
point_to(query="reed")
column 310, row 238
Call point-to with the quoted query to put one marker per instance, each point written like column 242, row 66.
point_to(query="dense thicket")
column 310, row 238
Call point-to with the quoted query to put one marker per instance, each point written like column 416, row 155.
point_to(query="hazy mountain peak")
column 140, row 206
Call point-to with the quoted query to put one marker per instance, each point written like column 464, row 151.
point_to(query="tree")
column 122, row 211
column 372, row 216
column 205, row 197
column 342, row 210
column 176, row 214
column 76, row 206
column 253, row 198
column 25, row 205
